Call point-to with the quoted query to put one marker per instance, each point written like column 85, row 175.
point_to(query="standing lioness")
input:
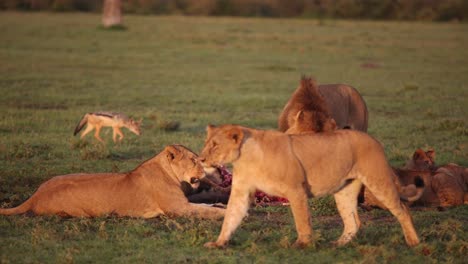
column 153, row 188
column 298, row 166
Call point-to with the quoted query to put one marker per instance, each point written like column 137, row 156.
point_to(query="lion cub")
column 151, row 189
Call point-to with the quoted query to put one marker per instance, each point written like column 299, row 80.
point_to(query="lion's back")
column 345, row 105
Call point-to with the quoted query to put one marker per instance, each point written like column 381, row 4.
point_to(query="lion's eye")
column 194, row 180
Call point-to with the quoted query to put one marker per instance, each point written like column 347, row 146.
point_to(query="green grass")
column 194, row 71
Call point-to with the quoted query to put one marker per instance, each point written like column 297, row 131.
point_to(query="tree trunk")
column 112, row 13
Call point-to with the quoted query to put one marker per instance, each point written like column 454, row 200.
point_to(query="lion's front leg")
column 236, row 210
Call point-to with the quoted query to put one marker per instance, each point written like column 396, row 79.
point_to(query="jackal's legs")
column 96, row 134
column 88, row 129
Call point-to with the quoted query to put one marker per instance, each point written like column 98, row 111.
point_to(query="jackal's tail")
column 81, row 124
column 21, row 209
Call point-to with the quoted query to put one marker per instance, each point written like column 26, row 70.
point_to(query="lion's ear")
column 236, row 134
column 431, row 154
column 172, row 152
column 299, row 116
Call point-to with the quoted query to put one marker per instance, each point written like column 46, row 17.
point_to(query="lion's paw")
column 300, row 244
column 213, row 245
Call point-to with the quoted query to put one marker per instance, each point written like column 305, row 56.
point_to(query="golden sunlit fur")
column 152, row 189
column 411, row 184
column 299, row 166
column 420, row 165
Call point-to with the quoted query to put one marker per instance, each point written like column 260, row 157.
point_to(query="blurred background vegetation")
column 427, row 10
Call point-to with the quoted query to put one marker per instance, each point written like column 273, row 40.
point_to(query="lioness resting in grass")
column 152, row 189
column 300, row 166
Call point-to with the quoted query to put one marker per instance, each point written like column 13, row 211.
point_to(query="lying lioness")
column 298, row 166
column 153, row 188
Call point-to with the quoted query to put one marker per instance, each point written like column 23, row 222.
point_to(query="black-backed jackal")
column 98, row 120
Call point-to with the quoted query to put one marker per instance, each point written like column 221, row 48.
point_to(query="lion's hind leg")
column 346, row 202
column 385, row 191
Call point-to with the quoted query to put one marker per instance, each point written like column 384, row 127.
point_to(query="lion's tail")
column 21, row 209
column 413, row 192
column 81, row 124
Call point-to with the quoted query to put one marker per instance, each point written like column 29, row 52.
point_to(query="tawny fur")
column 407, row 185
column 99, row 120
column 422, row 160
column 297, row 166
column 341, row 103
column 450, row 185
column 445, row 187
column 151, row 189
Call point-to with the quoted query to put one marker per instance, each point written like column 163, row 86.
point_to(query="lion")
column 300, row 166
column 450, row 184
column 447, row 184
column 420, row 166
column 444, row 187
column 421, row 160
column 325, row 107
column 410, row 183
column 151, row 189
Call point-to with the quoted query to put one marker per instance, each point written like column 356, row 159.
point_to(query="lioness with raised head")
column 300, row 166
column 152, row 189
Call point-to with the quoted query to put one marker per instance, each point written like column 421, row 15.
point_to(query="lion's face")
column 185, row 165
column 423, row 159
column 311, row 121
column 222, row 145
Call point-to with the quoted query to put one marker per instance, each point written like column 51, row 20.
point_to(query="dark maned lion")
column 342, row 103
column 300, row 166
column 152, row 189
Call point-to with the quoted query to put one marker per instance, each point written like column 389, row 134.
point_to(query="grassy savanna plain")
column 196, row 71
